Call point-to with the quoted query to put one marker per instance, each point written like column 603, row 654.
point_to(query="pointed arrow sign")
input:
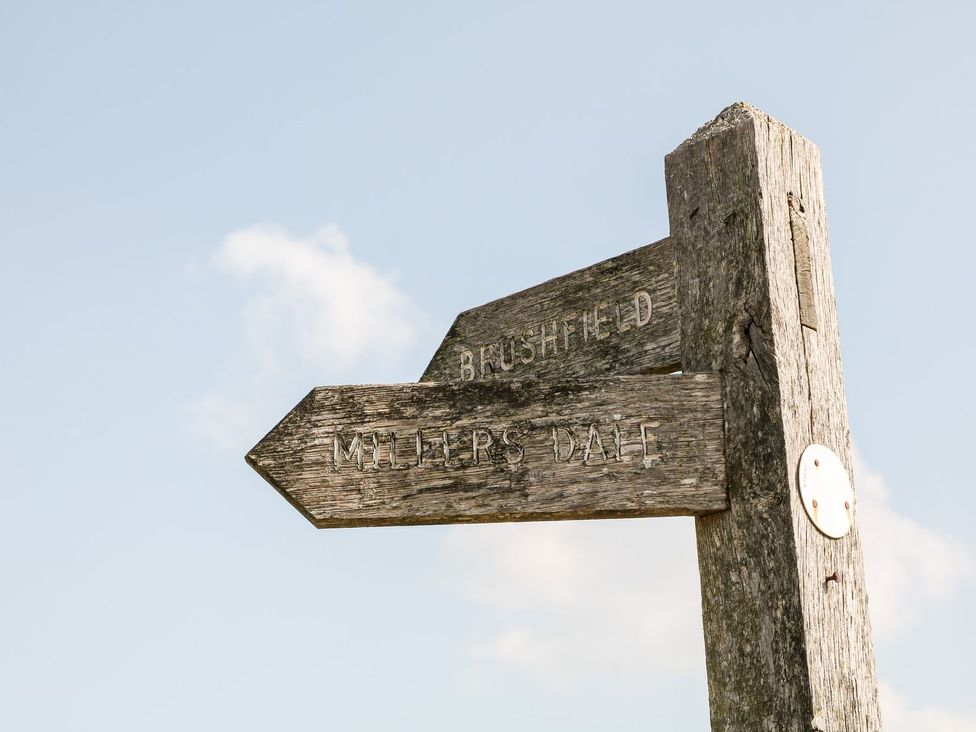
column 618, row 317
column 500, row 451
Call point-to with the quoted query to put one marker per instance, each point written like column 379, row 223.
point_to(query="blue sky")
column 196, row 198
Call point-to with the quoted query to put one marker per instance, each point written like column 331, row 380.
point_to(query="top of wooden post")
column 733, row 115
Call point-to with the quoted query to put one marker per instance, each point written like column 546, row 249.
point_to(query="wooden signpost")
column 501, row 451
column 616, row 317
column 543, row 405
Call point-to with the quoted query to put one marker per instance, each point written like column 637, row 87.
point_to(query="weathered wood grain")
column 500, row 451
column 786, row 650
column 619, row 316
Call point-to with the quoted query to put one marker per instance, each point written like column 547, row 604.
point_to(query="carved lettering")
column 597, row 319
column 477, row 445
column 549, row 339
column 496, row 445
column 593, row 437
column 486, row 360
column 393, row 456
column 511, row 437
column 467, row 365
column 528, row 347
column 568, row 328
column 645, row 438
column 507, row 366
column 556, row 446
column 639, row 297
column 376, row 450
column 339, row 450
column 446, row 446
column 621, row 322
column 651, row 448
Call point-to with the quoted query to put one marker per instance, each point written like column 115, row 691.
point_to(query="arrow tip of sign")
column 264, row 457
column 259, row 454
column 254, row 458
column 257, row 459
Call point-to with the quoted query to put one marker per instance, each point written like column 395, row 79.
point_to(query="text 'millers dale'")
column 500, row 451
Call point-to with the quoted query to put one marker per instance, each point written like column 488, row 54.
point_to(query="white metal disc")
column 826, row 492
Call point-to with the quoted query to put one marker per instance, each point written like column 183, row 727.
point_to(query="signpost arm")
column 786, row 648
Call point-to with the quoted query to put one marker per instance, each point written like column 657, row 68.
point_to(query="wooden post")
column 786, row 648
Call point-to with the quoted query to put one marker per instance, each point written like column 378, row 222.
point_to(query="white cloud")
column 899, row 717
column 312, row 308
column 908, row 567
column 572, row 599
column 576, row 599
column 560, row 600
column 314, row 300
